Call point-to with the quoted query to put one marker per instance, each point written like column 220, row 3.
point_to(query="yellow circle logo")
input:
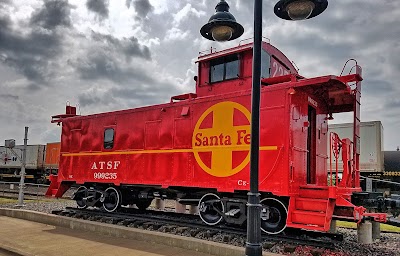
column 221, row 139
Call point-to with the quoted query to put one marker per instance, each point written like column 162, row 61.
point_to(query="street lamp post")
column 222, row 26
column 23, row 165
column 253, row 243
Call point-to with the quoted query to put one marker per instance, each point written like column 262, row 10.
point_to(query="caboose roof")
column 211, row 55
column 272, row 50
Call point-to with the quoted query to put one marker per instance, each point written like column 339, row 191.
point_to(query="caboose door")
column 311, row 145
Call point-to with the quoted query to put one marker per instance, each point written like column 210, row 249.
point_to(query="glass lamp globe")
column 300, row 10
column 222, row 33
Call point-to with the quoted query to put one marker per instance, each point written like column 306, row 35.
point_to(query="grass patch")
column 7, row 200
column 384, row 227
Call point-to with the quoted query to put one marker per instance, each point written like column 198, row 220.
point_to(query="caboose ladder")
column 311, row 209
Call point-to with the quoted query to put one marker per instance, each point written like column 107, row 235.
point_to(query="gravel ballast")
column 388, row 245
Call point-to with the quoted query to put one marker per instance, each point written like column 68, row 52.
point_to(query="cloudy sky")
column 104, row 55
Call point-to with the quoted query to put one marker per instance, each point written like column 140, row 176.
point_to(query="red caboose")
column 195, row 149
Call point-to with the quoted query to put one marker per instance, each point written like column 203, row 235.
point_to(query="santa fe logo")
column 221, row 139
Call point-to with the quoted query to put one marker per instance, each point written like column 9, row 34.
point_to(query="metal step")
column 316, row 192
column 311, row 204
column 308, row 218
column 307, row 226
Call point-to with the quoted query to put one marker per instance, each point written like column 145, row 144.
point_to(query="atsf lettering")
column 103, row 165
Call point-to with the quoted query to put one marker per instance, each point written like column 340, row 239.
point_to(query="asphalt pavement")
column 21, row 237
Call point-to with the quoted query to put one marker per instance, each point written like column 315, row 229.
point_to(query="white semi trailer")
column 371, row 145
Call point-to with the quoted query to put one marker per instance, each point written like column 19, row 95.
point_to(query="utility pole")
column 23, row 164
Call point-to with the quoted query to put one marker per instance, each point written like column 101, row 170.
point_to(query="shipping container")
column 52, row 155
column 371, row 144
column 52, row 159
column 392, row 168
column 10, row 164
column 34, row 156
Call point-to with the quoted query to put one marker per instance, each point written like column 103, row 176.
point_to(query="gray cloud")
column 393, row 103
column 374, row 86
column 54, row 13
column 9, row 97
column 29, row 54
column 110, row 72
column 101, row 65
column 137, row 95
column 4, row 2
column 129, row 47
column 94, row 98
column 113, row 59
column 142, row 7
column 134, row 93
column 100, row 7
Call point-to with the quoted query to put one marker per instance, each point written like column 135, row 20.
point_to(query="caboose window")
column 224, row 68
column 108, row 138
column 265, row 64
column 217, row 72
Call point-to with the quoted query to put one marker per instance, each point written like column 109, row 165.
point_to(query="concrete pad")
column 63, row 236
column 32, row 238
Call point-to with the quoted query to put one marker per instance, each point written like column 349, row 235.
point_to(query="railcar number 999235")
column 105, row 175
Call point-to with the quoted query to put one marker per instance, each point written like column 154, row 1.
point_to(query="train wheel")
column 211, row 209
column 113, row 199
column 273, row 216
column 81, row 193
column 143, row 204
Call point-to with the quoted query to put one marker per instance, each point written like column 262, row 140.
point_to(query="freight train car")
column 374, row 162
column 41, row 161
column 10, row 164
column 371, row 145
column 392, row 164
column 392, row 170
column 195, row 148
column 52, row 159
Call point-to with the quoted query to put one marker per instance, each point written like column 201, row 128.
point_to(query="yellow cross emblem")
column 222, row 139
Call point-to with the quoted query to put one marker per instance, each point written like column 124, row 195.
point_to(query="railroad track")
column 30, row 192
column 191, row 225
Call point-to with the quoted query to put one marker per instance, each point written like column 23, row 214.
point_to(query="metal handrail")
column 334, row 151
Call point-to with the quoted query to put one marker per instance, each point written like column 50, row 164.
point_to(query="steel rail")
column 130, row 215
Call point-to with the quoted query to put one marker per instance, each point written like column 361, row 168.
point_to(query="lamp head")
column 299, row 9
column 222, row 26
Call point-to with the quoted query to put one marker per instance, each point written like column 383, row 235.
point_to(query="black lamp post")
column 222, row 26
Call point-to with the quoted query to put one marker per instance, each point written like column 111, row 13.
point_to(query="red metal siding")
column 162, row 151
